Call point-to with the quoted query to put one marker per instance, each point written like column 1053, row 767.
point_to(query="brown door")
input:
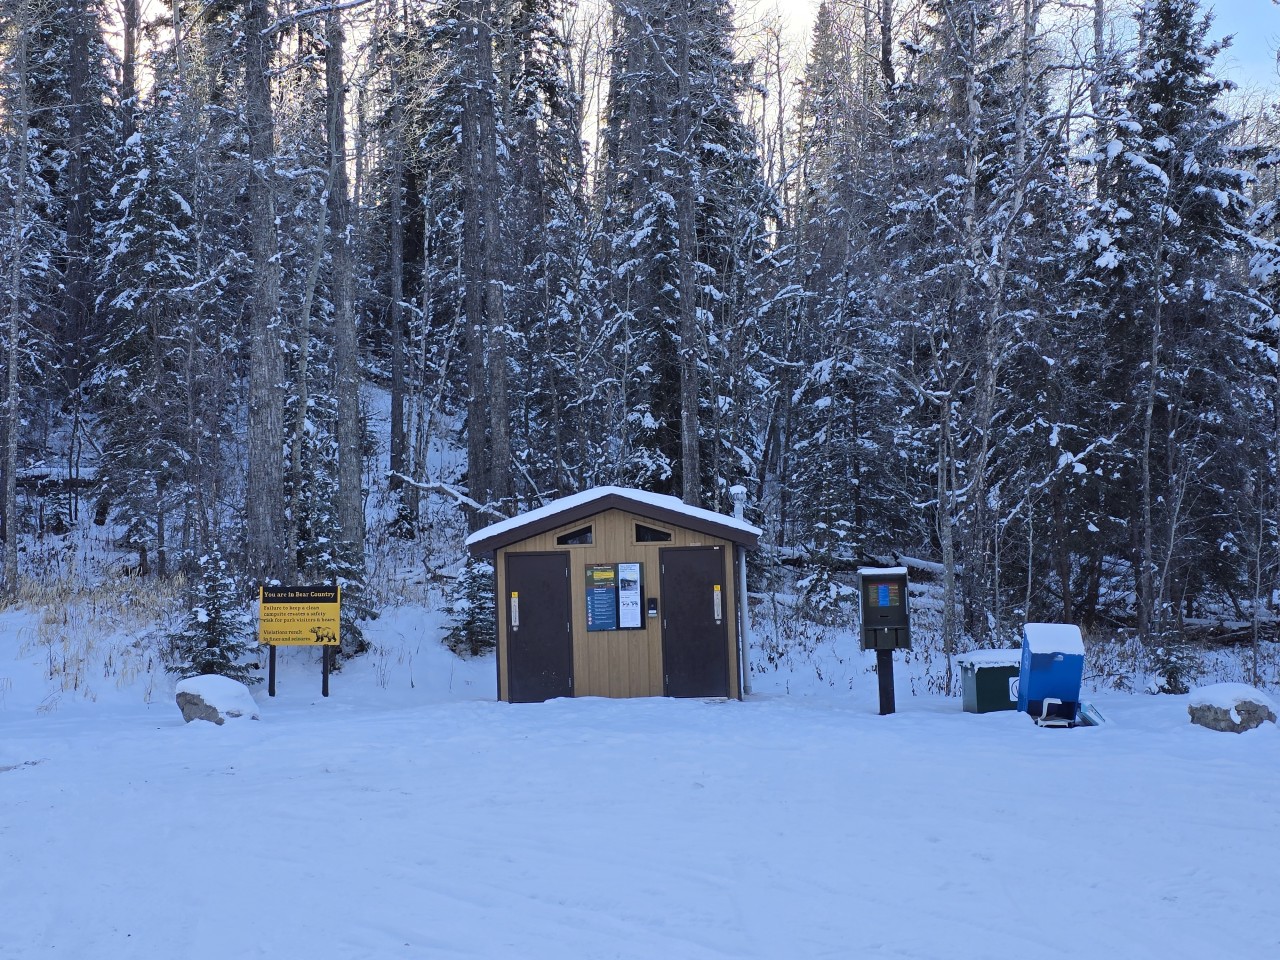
column 539, row 633
column 695, row 618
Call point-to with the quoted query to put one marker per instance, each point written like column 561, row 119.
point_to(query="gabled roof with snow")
column 588, row 503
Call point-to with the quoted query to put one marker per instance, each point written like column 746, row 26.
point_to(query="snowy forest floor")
column 411, row 815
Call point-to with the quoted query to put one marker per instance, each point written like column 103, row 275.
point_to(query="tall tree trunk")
column 131, row 28
column 162, row 549
column 946, row 539
column 77, row 296
column 17, row 297
column 982, row 534
column 470, row 175
column 264, row 493
column 1061, row 549
column 494, row 271
column 886, row 43
column 302, row 390
column 974, row 529
column 1147, row 613
column 399, row 459
column 1097, row 80
column 690, row 386
column 348, row 430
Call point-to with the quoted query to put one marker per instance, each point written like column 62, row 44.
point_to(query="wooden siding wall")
column 617, row 663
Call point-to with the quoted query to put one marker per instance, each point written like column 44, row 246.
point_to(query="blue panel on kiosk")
column 1052, row 669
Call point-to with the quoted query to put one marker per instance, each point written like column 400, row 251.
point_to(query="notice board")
column 602, row 596
column 630, row 616
column 299, row 615
column 615, row 596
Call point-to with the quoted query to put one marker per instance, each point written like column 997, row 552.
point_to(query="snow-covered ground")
column 409, row 815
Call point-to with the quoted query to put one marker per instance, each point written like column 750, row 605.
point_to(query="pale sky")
column 1256, row 26
column 1251, row 60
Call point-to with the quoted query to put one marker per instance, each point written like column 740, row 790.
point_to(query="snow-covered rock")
column 216, row 699
column 1230, row 707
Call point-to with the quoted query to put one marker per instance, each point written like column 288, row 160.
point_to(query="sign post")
column 303, row 617
column 886, row 623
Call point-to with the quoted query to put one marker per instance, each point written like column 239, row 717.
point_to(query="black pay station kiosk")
column 886, row 622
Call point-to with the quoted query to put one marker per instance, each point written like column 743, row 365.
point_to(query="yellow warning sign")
column 299, row 615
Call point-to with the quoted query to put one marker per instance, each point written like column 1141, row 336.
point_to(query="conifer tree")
column 142, row 390
column 28, row 240
column 170, row 278
column 1169, row 224
column 73, row 137
column 846, row 492
column 216, row 636
column 686, row 222
column 471, row 608
column 323, row 556
column 551, row 307
column 972, row 229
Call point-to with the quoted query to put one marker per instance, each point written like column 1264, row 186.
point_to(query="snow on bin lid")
column 882, row 571
column 1053, row 638
column 990, row 658
column 1227, row 695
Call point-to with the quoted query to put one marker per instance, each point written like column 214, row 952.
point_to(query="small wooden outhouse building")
column 618, row 593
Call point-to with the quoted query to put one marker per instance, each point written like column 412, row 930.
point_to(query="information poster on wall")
column 602, row 596
column 630, row 616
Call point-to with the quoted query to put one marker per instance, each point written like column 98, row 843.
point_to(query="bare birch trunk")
column 946, row 539
column 982, row 534
column 1146, row 578
column 399, row 459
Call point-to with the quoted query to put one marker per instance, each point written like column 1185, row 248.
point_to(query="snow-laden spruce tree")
column 552, row 304
column 844, row 494
column 55, row 136
column 72, row 133
column 156, row 390
column 216, row 635
column 471, row 610
column 685, row 215
column 1170, row 230
column 321, row 555
column 976, row 152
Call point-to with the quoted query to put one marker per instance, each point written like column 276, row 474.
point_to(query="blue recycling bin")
column 1052, row 670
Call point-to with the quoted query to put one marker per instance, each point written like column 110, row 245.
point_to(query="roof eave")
column 613, row 501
